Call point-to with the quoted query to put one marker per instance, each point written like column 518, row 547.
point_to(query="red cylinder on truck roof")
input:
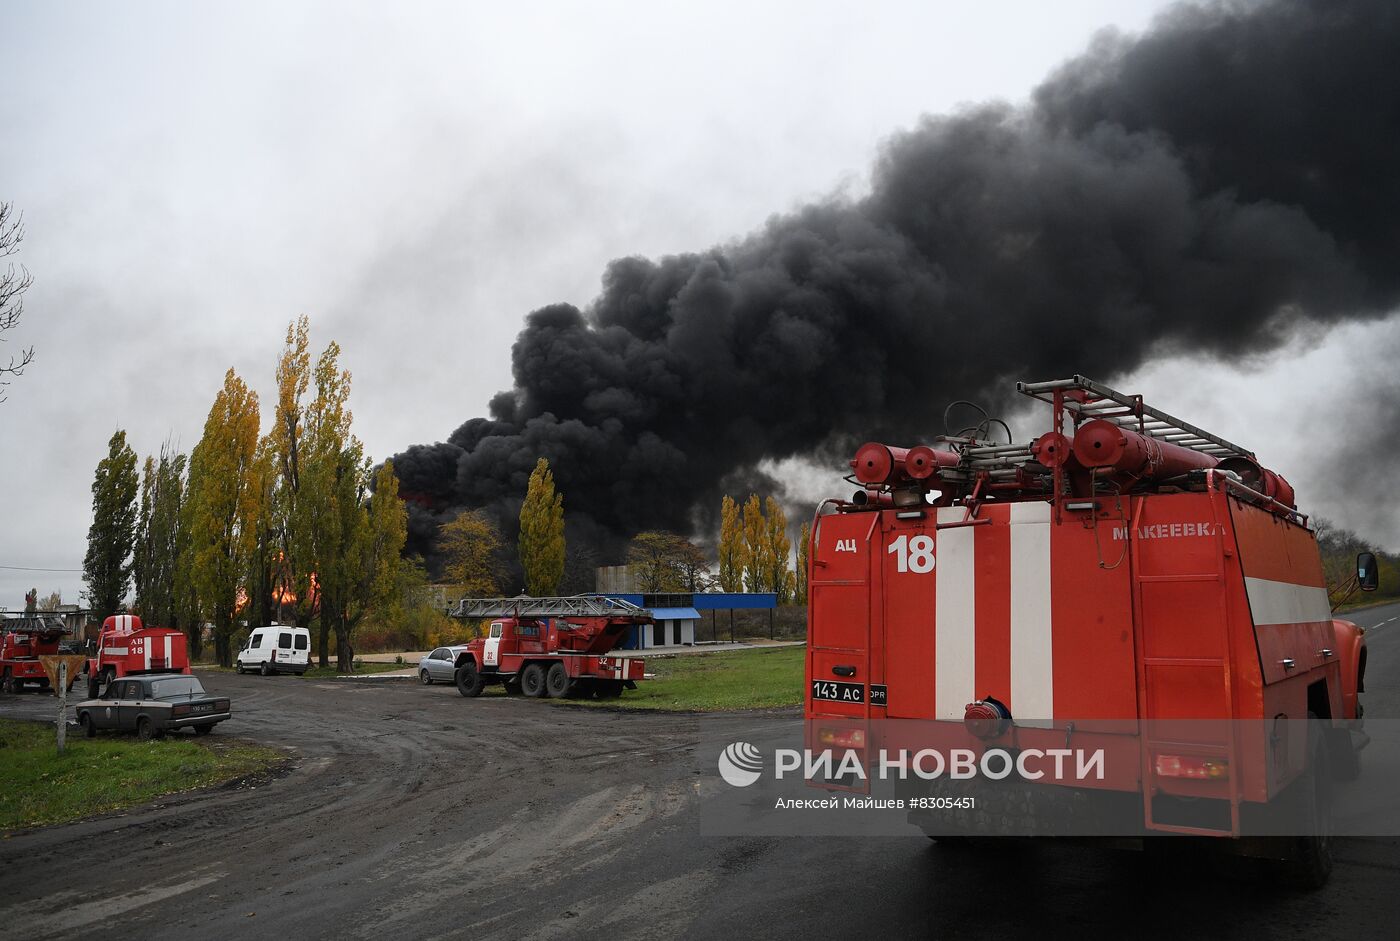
column 1279, row 489
column 923, row 461
column 877, row 463
column 1101, row 443
column 1052, row 449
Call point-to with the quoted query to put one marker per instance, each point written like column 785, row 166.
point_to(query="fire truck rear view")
column 1127, row 582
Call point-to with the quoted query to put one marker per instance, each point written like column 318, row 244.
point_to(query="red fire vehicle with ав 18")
column 552, row 647
column 1125, row 582
column 126, row 647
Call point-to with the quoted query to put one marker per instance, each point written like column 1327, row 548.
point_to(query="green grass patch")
column 111, row 772
column 716, row 682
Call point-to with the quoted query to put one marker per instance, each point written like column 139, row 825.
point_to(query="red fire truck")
column 24, row 641
column 1126, row 582
column 552, row 647
column 126, row 647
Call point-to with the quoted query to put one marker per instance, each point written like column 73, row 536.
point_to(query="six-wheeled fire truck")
column 23, row 642
column 1126, row 582
column 552, row 647
column 126, row 647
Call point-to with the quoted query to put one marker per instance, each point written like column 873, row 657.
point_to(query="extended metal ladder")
column 523, row 606
column 1130, row 411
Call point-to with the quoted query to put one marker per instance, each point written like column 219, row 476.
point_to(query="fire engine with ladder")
column 22, row 642
column 553, row 647
column 1126, row 581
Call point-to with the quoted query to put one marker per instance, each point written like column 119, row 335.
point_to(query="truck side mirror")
column 1367, row 576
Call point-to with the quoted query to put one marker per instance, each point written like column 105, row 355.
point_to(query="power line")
column 25, row 568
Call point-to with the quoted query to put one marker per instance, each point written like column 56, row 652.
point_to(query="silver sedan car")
column 440, row 666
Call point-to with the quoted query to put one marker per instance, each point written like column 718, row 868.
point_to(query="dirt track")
column 411, row 811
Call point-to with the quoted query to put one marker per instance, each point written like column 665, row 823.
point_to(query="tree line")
column 294, row 525
column 753, row 550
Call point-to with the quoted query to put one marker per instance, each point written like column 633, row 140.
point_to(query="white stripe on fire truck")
column 148, row 654
column 1273, row 602
column 168, row 660
column 955, row 617
column 1032, row 662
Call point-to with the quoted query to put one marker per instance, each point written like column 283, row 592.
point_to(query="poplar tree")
column 328, row 483
column 222, row 507
column 359, row 573
column 157, row 562
column 733, row 550
column 542, row 533
column 755, row 545
column 265, row 565
column 142, row 559
column 776, row 548
column 112, row 535
column 291, row 517
column 804, row 539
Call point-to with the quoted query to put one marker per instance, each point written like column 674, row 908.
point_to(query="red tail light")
column 846, row 738
column 1192, row 766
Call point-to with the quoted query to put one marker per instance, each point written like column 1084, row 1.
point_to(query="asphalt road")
column 413, row 812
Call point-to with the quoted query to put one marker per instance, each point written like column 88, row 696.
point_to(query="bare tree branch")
column 13, row 283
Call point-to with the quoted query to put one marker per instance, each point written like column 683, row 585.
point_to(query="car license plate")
column 206, row 707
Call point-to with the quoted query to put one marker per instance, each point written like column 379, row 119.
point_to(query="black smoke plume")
column 1210, row 186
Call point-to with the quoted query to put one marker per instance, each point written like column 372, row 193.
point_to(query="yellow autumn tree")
column 733, row 550
column 776, row 548
column 292, row 516
column 542, row 533
column 222, row 507
column 470, row 545
column 378, row 526
column 755, row 545
column 804, row 539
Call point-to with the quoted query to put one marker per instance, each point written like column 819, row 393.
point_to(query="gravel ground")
column 411, row 811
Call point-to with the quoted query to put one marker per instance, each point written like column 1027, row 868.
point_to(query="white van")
column 276, row 648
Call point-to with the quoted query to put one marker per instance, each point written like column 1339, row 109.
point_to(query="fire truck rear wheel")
column 1345, row 760
column 1310, row 864
column 532, row 680
column 470, row 682
column 609, row 689
column 556, row 681
column 12, row 683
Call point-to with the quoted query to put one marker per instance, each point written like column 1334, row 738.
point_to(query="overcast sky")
column 416, row 177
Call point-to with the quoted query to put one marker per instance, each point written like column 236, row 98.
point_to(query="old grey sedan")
column 152, row 705
column 440, row 666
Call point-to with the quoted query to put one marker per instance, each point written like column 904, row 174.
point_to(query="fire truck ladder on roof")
column 523, row 606
column 1130, row 412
